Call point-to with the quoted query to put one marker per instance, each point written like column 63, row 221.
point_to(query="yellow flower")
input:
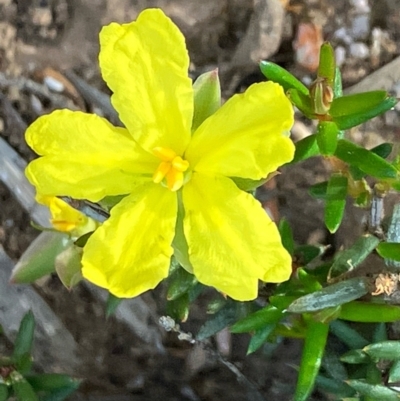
column 65, row 218
column 175, row 181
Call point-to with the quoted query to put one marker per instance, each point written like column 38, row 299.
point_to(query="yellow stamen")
column 179, row 164
column 171, row 168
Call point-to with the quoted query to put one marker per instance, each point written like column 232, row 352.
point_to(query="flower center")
column 171, row 169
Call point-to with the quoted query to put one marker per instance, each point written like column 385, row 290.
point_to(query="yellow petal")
column 232, row 241
column 145, row 63
column 247, row 136
column 85, row 157
column 130, row 253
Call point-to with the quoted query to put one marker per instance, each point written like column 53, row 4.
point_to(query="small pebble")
column 359, row 50
column 360, row 26
column 53, row 84
column 361, row 6
column 342, row 35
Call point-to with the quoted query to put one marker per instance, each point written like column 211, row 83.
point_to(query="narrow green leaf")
column 354, row 256
column 305, row 254
column 394, row 372
column 305, row 148
column 257, row 320
column 376, row 392
column 22, row 389
column 351, row 120
column 112, row 304
column 286, row 235
column 327, row 64
column 380, row 333
column 389, row 250
column 178, row 308
column 260, row 337
column 356, row 103
column 338, row 388
column 367, row 161
column 313, row 350
column 319, row 191
column 207, row 97
column 333, row 366
column 355, row 356
column 38, row 260
column 81, row 241
column 69, row 267
column 365, row 312
column 327, row 137
column 231, row 312
column 282, row 301
column 51, row 381
column 302, row 102
column 337, row 84
column 383, row 150
column 23, row 342
column 278, row 74
column 331, row 296
column 335, row 202
column 349, row 336
column 389, row 350
column 179, row 283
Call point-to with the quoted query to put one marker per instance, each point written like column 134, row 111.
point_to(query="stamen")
column 171, row 169
column 161, row 172
column 179, row 164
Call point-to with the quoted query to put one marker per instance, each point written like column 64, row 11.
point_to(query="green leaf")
column 52, row 381
column 327, row 137
column 394, row 372
column 38, row 260
column 374, row 391
column 178, row 308
column 112, row 304
column 335, row 201
column 355, row 356
column 345, row 120
column 327, row 65
column 333, row 366
column 248, row 185
column 302, row 102
column 179, row 283
column 257, row 320
column 278, row 74
column 260, row 337
column 60, row 394
column 81, row 241
column 354, row 256
column 338, row 388
column 319, row 191
column 389, row 350
column 337, row 84
column 305, row 148
column 389, row 250
column 313, row 350
column 305, row 254
column 383, row 150
column 69, row 267
column 23, row 342
column 22, row 389
column 207, row 97
column 349, row 336
column 231, row 312
column 380, row 333
column 367, row 161
column 331, row 296
column 356, row 103
column 365, row 312
column 286, row 235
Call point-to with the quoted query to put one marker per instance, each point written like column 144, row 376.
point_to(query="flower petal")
column 145, row 63
column 247, row 136
column 85, row 157
column 232, row 241
column 130, row 253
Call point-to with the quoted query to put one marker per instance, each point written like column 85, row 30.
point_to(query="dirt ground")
column 43, row 42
